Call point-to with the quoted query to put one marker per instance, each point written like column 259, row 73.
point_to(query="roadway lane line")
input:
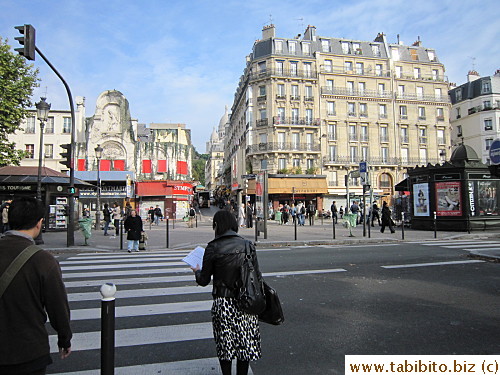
column 145, row 310
column 205, row 366
column 72, row 275
column 139, row 336
column 475, row 246
column 113, row 266
column 128, row 256
column 433, row 264
column 137, row 293
column 306, row 272
column 131, row 259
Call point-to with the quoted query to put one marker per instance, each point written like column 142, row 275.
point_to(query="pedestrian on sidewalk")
column 5, row 216
column 249, row 215
column 117, row 216
column 241, row 215
column 341, row 212
column 386, row 218
column 375, row 214
column 334, row 210
column 158, row 214
column 36, row 290
column 311, row 212
column 106, row 214
column 133, row 227
column 236, row 333
column 191, row 216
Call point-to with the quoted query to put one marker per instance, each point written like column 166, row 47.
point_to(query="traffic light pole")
column 70, row 238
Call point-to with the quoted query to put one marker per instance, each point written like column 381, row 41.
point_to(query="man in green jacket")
column 37, row 290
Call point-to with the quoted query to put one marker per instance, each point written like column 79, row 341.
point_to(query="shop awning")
column 29, row 176
column 403, row 185
column 287, row 185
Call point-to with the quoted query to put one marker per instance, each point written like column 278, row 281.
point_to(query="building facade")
column 321, row 105
column 215, row 151
column 475, row 113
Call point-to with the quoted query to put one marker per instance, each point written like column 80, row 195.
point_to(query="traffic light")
column 66, row 156
column 27, row 41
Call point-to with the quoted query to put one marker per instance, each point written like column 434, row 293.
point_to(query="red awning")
column 152, row 188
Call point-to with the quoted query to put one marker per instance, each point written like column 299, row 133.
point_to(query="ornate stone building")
column 321, row 105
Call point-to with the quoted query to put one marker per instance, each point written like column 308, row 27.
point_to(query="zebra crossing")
column 159, row 309
column 466, row 245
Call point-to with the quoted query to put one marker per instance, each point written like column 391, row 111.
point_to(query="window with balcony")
column 363, row 110
column 332, row 152
column 403, row 112
column 332, row 132
column 281, row 140
column 399, row 71
column 422, row 155
column 401, row 90
column 309, row 93
column 352, row 133
column 295, row 92
column 384, row 154
column 307, row 70
column 384, row 137
column 439, row 114
column 281, row 91
column 348, row 66
column 279, row 67
column 381, row 88
column 360, row 68
column 281, row 115
column 353, row 154
column 67, row 125
column 350, row 87
column 281, row 163
column 438, row 94
column 421, row 113
column 378, row 70
column 440, row 137
column 364, row 153
column 330, row 108
column 404, row 155
column 332, row 178
column 420, row 92
column 329, row 86
column 328, row 66
column 48, row 151
column 364, row 133
column 488, row 124
column 262, row 114
column 30, row 125
column 351, row 109
column 295, row 116
column 382, row 111
column 422, row 135
column 361, row 88
column 309, row 116
column 30, row 150
column 295, row 141
column 404, row 135
column 435, row 74
column 263, row 138
column 293, row 69
column 416, row 73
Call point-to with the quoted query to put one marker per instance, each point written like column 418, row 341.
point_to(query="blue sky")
column 180, row 60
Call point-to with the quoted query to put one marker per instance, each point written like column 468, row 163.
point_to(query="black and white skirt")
column 236, row 333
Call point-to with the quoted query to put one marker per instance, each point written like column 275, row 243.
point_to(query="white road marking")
column 130, row 265
column 72, row 275
column 433, row 264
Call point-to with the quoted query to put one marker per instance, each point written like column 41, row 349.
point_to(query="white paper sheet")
column 195, row 257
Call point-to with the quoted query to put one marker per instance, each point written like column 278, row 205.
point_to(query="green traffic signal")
column 27, row 41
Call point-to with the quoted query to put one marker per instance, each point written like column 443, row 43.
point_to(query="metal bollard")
column 333, row 225
column 256, row 222
column 108, row 291
column 168, row 236
column 121, row 234
column 196, row 221
column 435, row 225
column 173, row 221
column 402, row 225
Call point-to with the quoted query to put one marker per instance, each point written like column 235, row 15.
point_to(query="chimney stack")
column 472, row 76
column 268, row 32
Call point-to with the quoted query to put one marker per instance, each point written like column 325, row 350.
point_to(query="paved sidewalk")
column 183, row 238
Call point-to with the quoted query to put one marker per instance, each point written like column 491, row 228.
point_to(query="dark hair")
column 224, row 221
column 106, row 205
column 25, row 213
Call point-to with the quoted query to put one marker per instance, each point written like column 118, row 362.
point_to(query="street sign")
column 495, row 151
column 363, row 167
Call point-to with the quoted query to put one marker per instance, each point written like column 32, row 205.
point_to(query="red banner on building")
column 182, row 167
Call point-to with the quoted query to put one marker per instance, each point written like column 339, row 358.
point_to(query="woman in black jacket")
column 133, row 227
column 236, row 332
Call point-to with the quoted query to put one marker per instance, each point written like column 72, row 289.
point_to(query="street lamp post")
column 98, row 154
column 42, row 110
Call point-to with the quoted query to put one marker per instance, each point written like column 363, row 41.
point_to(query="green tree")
column 17, row 81
column 199, row 161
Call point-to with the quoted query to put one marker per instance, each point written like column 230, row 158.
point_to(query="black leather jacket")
column 223, row 258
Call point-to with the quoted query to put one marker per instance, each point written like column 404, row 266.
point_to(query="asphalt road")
column 397, row 298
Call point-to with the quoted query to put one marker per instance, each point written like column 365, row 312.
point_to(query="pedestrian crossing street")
column 159, row 310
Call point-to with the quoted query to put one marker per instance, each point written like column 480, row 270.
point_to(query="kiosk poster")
column 421, row 200
column 448, row 198
column 488, row 200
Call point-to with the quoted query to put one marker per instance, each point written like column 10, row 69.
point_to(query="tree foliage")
column 199, row 161
column 17, row 81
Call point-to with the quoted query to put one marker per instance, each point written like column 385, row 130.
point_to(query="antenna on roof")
column 473, row 62
column 270, row 19
column 301, row 23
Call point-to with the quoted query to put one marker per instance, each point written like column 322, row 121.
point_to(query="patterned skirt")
column 236, row 333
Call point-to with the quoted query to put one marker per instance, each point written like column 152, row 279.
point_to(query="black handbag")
column 273, row 314
column 250, row 290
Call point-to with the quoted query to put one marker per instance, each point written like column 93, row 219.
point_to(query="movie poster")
column 448, row 198
column 421, row 200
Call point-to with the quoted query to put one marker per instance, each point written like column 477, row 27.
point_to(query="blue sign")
column 362, row 167
column 495, row 151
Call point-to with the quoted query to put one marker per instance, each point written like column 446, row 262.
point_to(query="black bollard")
column 168, row 236
column 256, row 223
column 121, row 234
column 196, row 221
column 333, row 226
column 108, row 291
column 173, row 221
column 402, row 225
column 295, row 226
column 435, row 225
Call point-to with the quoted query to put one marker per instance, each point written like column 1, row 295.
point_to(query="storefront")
column 23, row 181
column 116, row 187
column 461, row 193
column 283, row 189
column 173, row 197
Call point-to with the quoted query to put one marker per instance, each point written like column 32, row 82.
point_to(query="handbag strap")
column 15, row 266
